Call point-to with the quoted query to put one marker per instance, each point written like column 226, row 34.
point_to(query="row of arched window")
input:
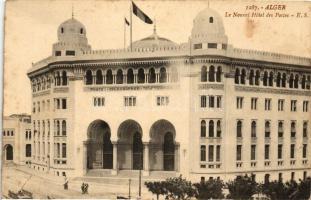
column 130, row 76
column 212, row 75
column 267, row 129
column 268, row 79
column 212, row 124
column 60, row 79
column 60, row 127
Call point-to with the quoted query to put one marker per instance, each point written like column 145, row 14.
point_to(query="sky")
column 31, row 29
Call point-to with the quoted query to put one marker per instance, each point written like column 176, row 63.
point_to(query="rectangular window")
column 267, row 152
column 267, row 104
column 292, row 151
column 98, row 101
column 48, row 105
column 70, row 53
column 253, row 152
column 64, row 150
column 197, row 46
column 218, row 101
column 239, row 102
column 58, row 53
column 293, row 104
column 212, row 45
column 203, row 101
column 203, row 153
column 210, row 153
column 217, row 153
column 64, row 103
column 305, row 106
column 211, row 101
column 304, row 151
column 162, row 100
column 280, row 104
column 280, row 151
column 254, row 103
column 239, row 152
column 130, row 101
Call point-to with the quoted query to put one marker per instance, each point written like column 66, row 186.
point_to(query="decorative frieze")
column 42, row 93
column 272, row 90
column 61, row 89
column 204, row 86
column 130, row 87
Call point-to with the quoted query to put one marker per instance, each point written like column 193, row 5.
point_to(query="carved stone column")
column 114, row 170
column 146, row 159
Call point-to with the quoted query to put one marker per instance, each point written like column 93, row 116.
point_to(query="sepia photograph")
column 156, row 100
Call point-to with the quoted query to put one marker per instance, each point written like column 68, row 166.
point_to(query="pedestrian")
column 65, row 183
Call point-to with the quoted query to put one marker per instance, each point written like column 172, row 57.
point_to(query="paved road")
column 43, row 185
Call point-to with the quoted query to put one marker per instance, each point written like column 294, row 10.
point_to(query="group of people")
column 84, row 186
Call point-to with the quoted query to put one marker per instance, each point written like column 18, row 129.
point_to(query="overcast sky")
column 31, row 29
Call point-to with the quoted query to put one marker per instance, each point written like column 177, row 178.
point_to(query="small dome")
column 208, row 21
column 71, row 27
column 153, row 41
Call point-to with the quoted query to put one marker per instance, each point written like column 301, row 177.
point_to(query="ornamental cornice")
column 272, row 90
column 42, row 93
column 215, row 86
column 130, row 87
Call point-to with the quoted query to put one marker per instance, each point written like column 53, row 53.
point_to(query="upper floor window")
column 203, row 153
column 60, row 103
column 293, row 130
column 267, row 129
column 218, row 74
column 239, row 152
column 265, row 78
column 211, row 101
column 257, row 77
column 211, row 19
column 130, row 101
column 64, row 128
column 70, row 53
column 239, row 129
column 292, row 151
column 212, row 45
column 88, row 77
column 211, row 74
column 281, row 104
column 253, row 152
column 278, row 80
column 254, row 103
column 218, row 128
column 243, row 76
column 251, row 77
column 239, row 102
column 204, row 74
column 197, row 46
column 203, row 101
column 98, row 101
column 305, row 129
column 305, row 106
column 267, row 104
column 203, row 128
column 303, row 82
column 162, row 100
column 283, row 80
column 119, row 77
column 211, row 128
column 280, row 129
column 253, row 129
column 58, row 53
column 81, row 30
column 293, row 105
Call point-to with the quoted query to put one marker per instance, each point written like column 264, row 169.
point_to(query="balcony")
column 280, row 162
column 267, row 163
column 292, row 162
column 305, row 162
column 239, row 164
column 253, row 163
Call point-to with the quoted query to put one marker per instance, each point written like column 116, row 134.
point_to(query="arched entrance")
column 9, row 152
column 130, row 146
column 162, row 146
column 99, row 149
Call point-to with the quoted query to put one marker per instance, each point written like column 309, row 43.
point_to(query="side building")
column 16, row 139
column 201, row 108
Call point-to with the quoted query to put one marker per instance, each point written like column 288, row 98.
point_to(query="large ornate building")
column 201, row 108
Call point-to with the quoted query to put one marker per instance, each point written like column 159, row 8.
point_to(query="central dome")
column 71, row 28
column 153, row 41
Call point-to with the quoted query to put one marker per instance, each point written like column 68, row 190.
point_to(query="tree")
column 179, row 188
column 275, row 190
column 243, row 187
column 302, row 190
column 209, row 189
column 156, row 188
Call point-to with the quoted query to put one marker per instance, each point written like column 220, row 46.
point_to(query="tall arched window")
column 239, row 129
column 257, row 77
column 293, row 130
column 57, row 78
column 267, row 129
column 203, row 74
column 211, row 74
column 218, row 128
column 88, row 77
column 211, row 19
column 305, row 130
column 152, row 76
column 203, row 128
column 141, row 76
column 265, row 78
column 271, row 79
column 243, row 76
column 296, row 81
column 308, row 83
column 211, row 128
column 109, row 76
column 57, row 128
column 64, row 128
column 291, row 81
column 130, row 76
column 303, row 82
column 218, row 74
column 64, row 78
column 99, row 77
column 163, row 77
column 253, row 131
column 119, row 77
column 280, row 129
column 251, row 77
column 283, row 80
column 278, row 80
column 237, row 76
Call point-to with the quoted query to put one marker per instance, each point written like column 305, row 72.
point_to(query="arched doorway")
column 130, row 146
column 162, row 148
column 99, row 149
column 9, row 152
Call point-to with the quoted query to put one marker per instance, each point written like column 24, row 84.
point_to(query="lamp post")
column 129, row 188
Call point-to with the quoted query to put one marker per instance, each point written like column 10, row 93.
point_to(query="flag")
column 126, row 22
column 140, row 14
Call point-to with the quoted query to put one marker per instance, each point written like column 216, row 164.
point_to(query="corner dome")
column 208, row 27
column 153, row 41
column 71, row 27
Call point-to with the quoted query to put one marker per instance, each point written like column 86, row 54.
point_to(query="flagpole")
column 131, row 24
column 124, row 32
